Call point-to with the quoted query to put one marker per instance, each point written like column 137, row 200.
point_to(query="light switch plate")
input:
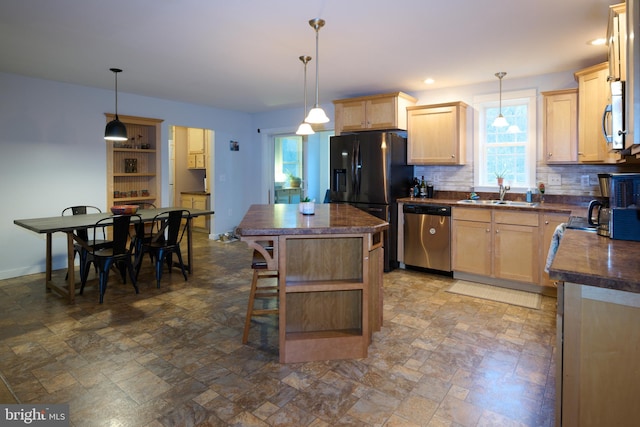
column 555, row 179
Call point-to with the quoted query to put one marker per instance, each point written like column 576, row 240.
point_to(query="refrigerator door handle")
column 358, row 170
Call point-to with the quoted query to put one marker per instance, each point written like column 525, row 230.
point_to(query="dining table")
column 70, row 223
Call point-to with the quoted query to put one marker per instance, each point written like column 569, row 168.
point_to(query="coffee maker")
column 599, row 211
column 618, row 215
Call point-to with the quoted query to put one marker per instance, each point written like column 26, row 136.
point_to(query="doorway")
column 191, row 160
column 301, row 167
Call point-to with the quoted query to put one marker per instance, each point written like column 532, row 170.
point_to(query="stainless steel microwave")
column 613, row 121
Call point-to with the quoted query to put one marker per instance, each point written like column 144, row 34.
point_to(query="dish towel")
column 555, row 242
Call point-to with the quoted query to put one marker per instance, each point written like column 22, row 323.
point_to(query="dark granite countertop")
column 331, row 218
column 586, row 258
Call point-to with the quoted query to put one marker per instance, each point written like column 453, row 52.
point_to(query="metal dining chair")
column 118, row 254
column 83, row 234
column 163, row 240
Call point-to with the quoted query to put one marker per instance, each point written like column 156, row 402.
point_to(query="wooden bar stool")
column 260, row 271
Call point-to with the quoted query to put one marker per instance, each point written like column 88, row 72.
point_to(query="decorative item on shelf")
column 305, row 128
column 307, row 206
column 317, row 114
column 144, row 193
column 131, row 165
column 116, row 194
column 134, row 193
column 116, row 130
column 541, row 190
column 124, row 209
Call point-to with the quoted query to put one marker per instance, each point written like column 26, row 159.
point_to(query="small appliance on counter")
column 619, row 216
column 599, row 213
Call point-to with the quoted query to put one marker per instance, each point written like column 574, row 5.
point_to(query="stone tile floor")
column 173, row 356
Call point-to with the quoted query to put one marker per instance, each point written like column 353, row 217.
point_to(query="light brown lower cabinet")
column 503, row 245
column 598, row 343
column 197, row 201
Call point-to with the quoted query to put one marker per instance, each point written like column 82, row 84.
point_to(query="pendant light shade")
column 116, row 130
column 305, row 128
column 500, row 121
column 317, row 114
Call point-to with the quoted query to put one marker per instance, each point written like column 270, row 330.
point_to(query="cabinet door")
column 471, row 247
column 593, row 97
column 549, row 223
column 195, row 141
column 381, row 113
column 199, row 202
column 561, row 126
column 617, row 37
column 436, row 134
column 600, row 382
column 516, row 253
column 352, row 115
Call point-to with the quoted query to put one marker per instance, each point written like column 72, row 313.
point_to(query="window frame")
column 480, row 104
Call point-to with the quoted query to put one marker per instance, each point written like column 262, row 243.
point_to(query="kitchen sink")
column 478, row 202
column 498, row 203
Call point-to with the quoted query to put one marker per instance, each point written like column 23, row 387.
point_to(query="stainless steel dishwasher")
column 427, row 237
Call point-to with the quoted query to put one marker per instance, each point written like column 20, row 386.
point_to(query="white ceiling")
column 243, row 54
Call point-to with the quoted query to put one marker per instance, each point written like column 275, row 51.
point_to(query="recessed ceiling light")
column 598, row 42
column 429, row 81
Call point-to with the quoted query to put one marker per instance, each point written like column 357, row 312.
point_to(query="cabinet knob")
column 549, row 155
column 580, row 153
column 453, row 156
column 488, row 230
column 546, row 222
column 497, row 231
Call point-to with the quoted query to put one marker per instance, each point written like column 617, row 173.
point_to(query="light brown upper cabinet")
column 560, row 125
column 617, row 40
column 436, row 134
column 376, row 112
column 593, row 97
column 196, row 148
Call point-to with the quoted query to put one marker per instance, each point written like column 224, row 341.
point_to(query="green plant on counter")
column 305, row 200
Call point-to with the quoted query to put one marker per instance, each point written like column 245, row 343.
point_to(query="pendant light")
column 317, row 114
column 305, row 128
column 500, row 121
column 116, row 130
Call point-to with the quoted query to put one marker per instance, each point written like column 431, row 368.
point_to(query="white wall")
column 53, row 155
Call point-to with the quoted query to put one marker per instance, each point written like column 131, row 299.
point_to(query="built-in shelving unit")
column 133, row 166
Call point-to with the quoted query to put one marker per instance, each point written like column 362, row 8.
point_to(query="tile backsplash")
column 460, row 178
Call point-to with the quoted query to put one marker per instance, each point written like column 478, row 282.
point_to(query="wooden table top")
column 329, row 218
column 73, row 222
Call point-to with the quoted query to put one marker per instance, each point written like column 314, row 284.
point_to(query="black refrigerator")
column 369, row 171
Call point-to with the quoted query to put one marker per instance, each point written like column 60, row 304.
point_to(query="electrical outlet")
column 555, row 179
column 584, row 180
column 436, row 177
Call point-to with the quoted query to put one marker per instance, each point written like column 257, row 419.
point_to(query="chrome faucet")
column 503, row 191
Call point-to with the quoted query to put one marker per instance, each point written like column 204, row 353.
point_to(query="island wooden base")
column 330, row 293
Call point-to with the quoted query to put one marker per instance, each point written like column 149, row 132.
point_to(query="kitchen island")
column 598, row 330
column 330, row 267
